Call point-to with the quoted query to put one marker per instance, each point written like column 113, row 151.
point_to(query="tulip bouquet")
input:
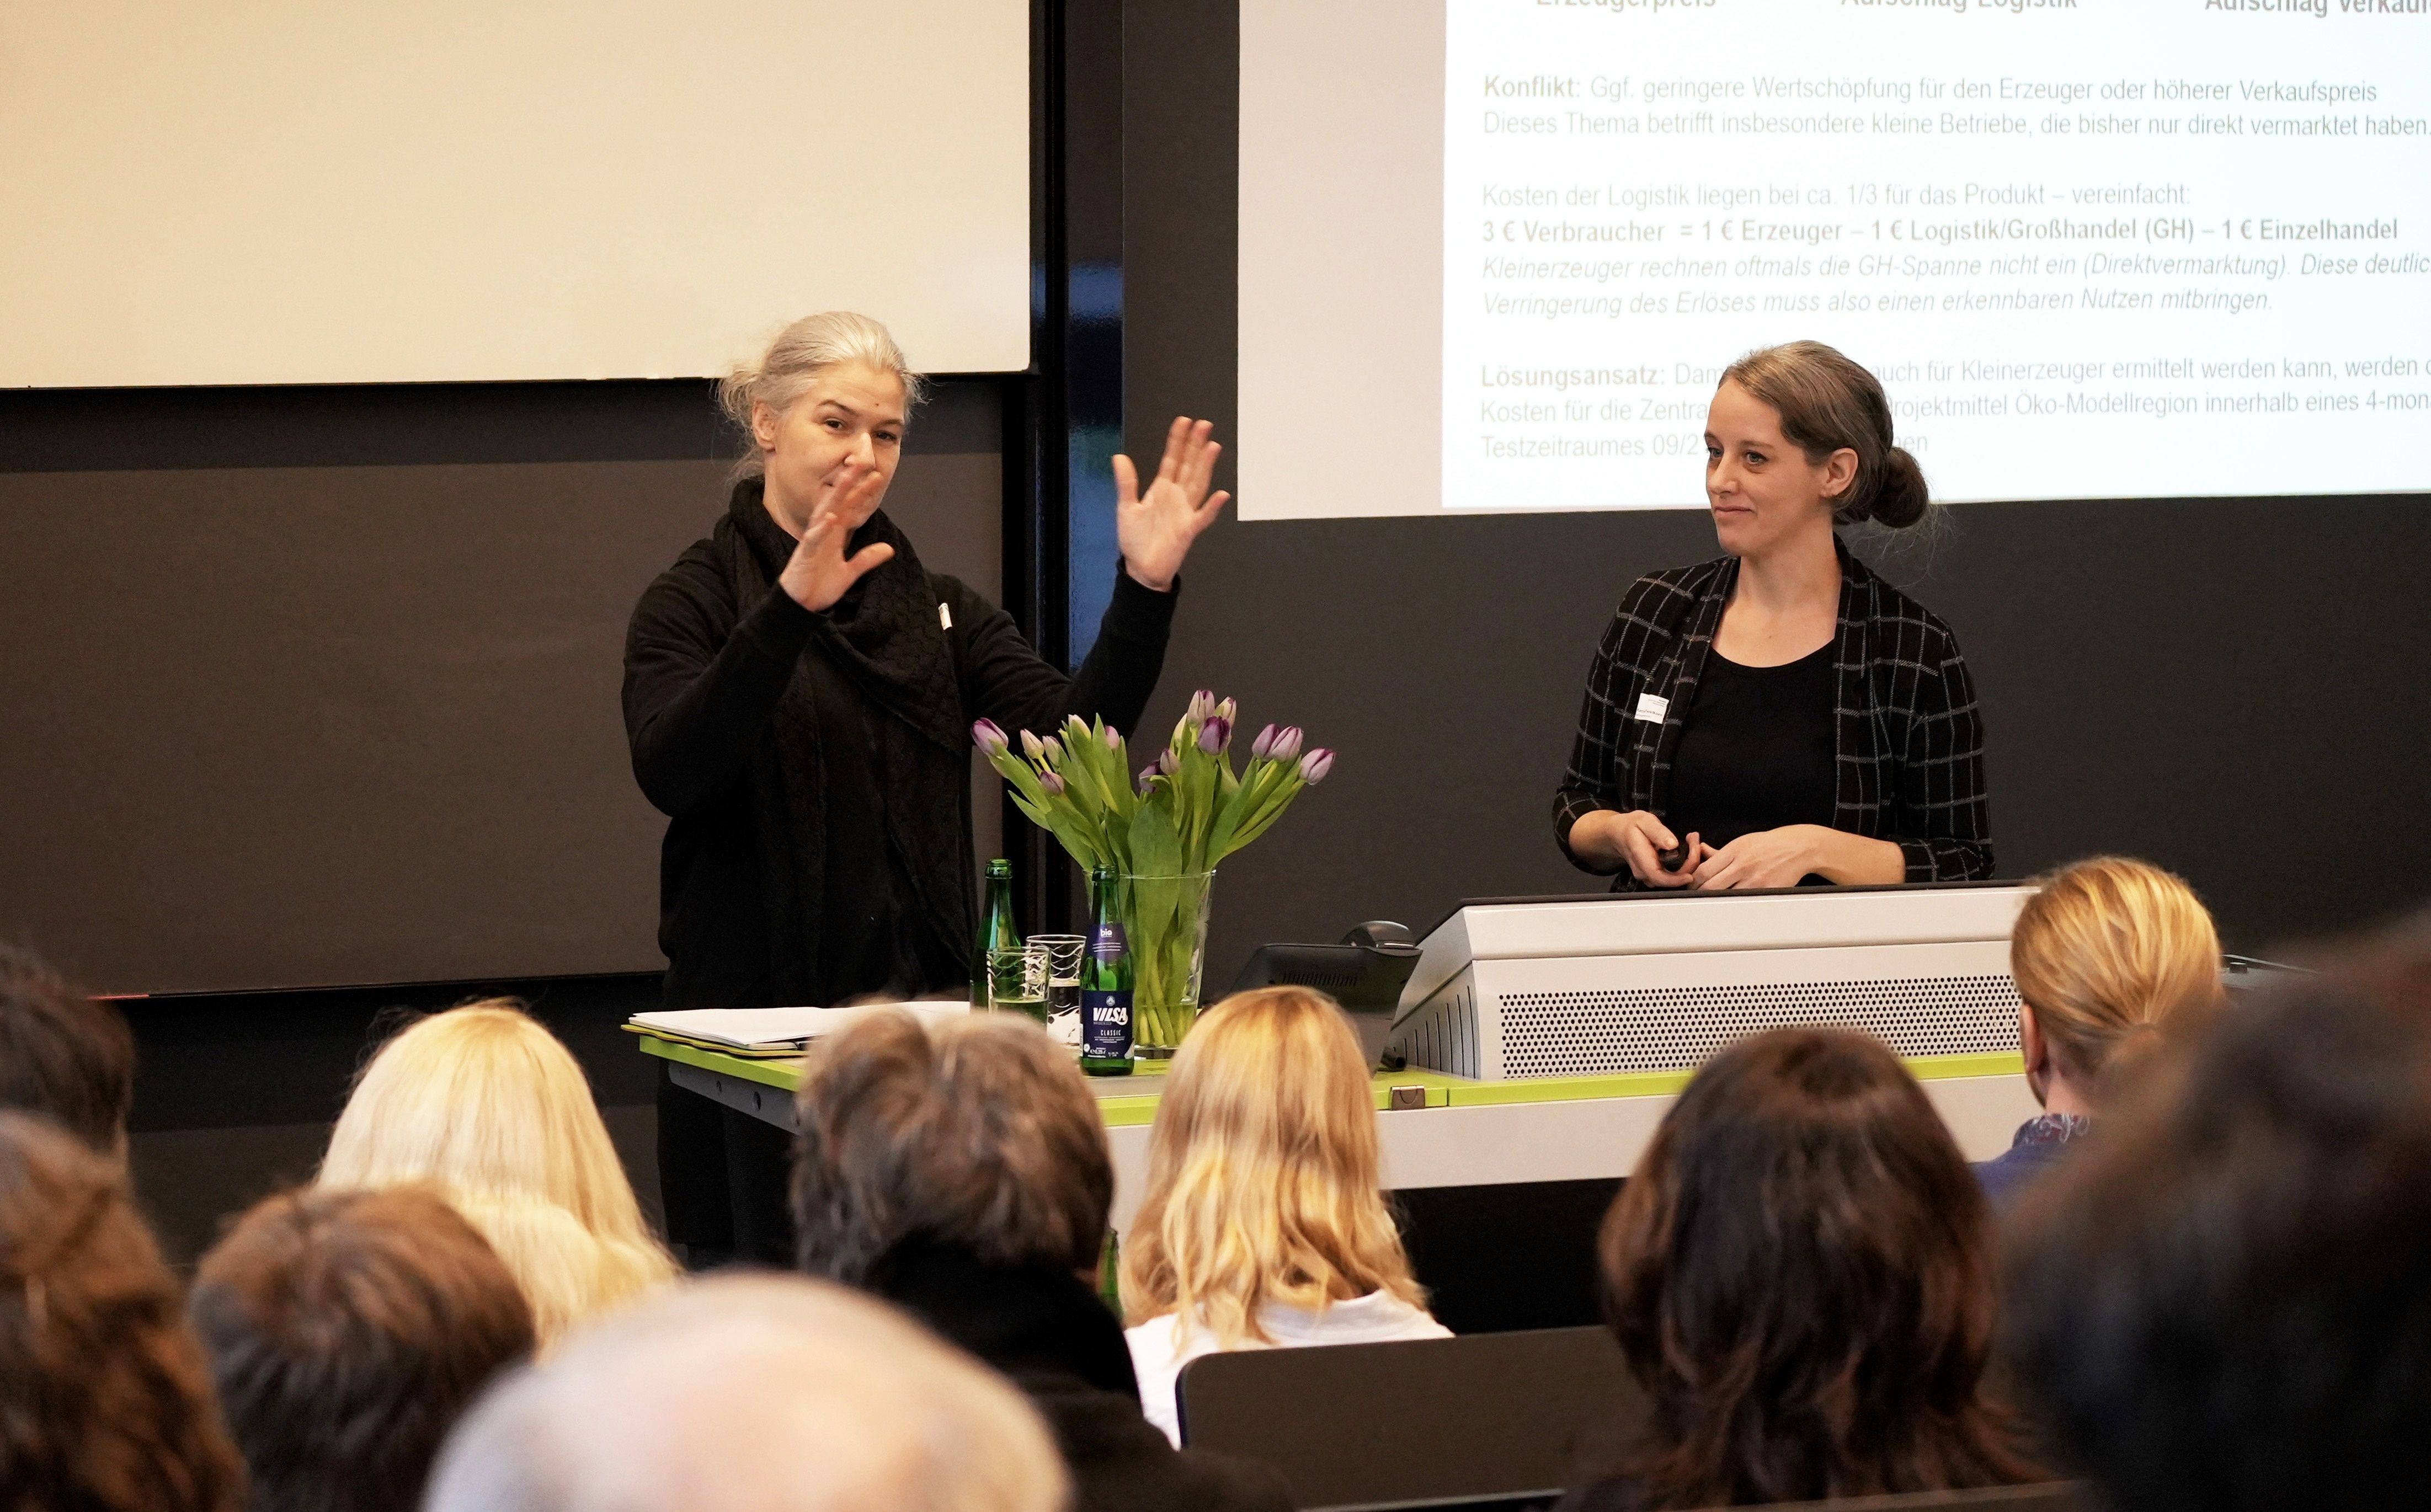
column 1163, row 830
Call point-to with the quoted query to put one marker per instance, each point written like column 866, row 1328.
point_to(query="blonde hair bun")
column 2105, row 951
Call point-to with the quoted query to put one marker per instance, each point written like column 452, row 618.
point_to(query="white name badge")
column 1652, row 710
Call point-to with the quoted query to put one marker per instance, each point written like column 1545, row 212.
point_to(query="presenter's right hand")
column 818, row 574
column 1637, row 839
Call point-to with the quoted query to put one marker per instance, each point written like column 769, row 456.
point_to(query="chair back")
column 1490, row 1418
column 2050, row 1496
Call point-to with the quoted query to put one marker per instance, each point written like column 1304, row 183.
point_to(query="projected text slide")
column 2111, row 248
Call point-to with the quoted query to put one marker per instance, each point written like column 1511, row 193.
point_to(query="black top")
column 1908, row 736
column 876, row 792
column 1056, row 1340
column 1757, row 752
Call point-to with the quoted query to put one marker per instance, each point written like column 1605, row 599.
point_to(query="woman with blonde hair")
column 2103, row 954
column 1265, row 1224
column 484, row 1105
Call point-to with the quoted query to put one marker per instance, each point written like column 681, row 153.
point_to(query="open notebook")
column 769, row 1033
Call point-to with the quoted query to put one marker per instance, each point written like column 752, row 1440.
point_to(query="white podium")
column 1526, row 987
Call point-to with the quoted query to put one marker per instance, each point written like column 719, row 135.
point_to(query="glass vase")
column 1164, row 923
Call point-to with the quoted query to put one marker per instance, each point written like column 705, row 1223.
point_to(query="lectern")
column 1517, row 987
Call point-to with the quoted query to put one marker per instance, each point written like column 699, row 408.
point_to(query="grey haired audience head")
column 752, row 1393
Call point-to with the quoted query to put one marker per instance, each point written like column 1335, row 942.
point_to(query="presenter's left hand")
column 1155, row 529
column 1768, row 859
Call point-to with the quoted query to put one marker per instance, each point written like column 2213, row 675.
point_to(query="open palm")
column 1155, row 528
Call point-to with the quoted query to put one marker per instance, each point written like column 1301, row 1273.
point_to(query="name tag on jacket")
column 1652, row 709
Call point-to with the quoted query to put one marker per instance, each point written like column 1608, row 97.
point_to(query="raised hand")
column 818, row 573
column 1155, row 529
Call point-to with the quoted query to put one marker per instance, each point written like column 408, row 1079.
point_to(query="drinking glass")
column 1017, row 979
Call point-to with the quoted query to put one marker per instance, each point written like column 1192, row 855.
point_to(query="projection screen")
column 1495, row 253
column 257, row 191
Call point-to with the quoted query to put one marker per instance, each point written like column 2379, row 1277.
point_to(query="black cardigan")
column 702, row 676
column 1910, row 746
column 1055, row 1339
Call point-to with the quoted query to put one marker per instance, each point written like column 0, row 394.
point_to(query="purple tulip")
column 989, row 738
column 1212, row 734
column 1167, row 763
column 1314, row 766
column 1264, row 746
column 1052, row 783
column 1287, row 743
column 1228, row 711
column 1030, row 746
column 1147, row 779
column 1203, row 708
column 1113, row 738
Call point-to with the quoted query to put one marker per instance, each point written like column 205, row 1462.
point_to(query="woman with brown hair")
column 1780, row 715
column 2105, row 954
column 106, row 1404
column 1800, row 1275
column 959, row 1170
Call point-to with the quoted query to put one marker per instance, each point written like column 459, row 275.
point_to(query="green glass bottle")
column 1106, row 984
column 997, row 936
column 1110, row 1272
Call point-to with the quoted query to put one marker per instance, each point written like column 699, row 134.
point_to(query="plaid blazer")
column 1910, row 753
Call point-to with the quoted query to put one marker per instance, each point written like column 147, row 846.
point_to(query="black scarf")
column 1023, row 1320
column 883, row 636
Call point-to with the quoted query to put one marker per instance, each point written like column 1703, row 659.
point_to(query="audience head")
column 2103, row 953
column 753, row 1393
column 486, row 1106
column 1800, row 1273
column 346, row 1331
column 975, row 1133
column 105, row 1402
column 2225, row 1303
column 1263, row 1174
column 62, row 1054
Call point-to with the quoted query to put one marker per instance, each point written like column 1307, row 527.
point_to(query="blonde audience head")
column 484, row 1105
column 2103, row 954
column 753, row 1393
column 1263, row 1184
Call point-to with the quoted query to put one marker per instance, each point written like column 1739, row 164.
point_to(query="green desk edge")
column 1129, row 1108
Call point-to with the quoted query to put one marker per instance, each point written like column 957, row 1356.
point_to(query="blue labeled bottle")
column 1106, row 985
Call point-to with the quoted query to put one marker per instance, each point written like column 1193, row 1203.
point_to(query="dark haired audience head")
column 62, row 1054
column 1800, row 1276
column 105, row 1404
column 346, row 1332
column 960, row 1170
column 978, row 1136
column 2225, row 1303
